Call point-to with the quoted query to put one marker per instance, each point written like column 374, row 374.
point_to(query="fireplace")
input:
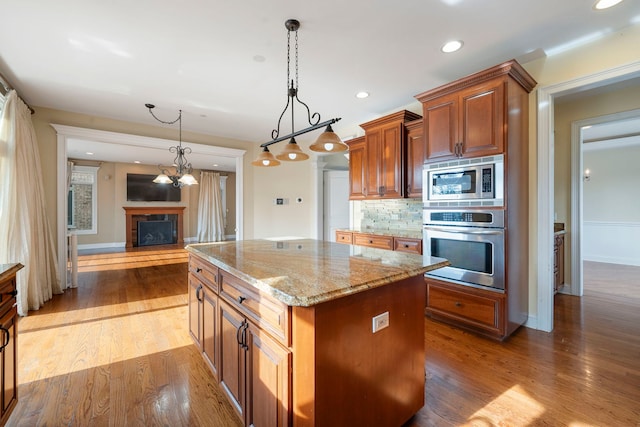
column 137, row 216
column 159, row 232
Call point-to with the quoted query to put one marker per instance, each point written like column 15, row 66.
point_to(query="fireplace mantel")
column 131, row 211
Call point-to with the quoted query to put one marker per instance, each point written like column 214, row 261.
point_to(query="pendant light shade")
column 162, row 179
column 328, row 142
column 292, row 152
column 265, row 159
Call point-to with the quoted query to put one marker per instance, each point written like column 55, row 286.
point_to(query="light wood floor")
column 116, row 351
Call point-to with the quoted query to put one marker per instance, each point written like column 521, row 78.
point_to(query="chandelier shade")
column 329, row 143
column 179, row 173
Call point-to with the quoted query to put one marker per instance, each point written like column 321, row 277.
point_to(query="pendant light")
column 179, row 174
column 327, row 142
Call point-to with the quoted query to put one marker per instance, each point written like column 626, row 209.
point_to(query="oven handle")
column 465, row 230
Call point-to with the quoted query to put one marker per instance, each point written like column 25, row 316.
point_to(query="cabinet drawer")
column 267, row 312
column 205, row 272
column 406, row 244
column 7, row 294
column 468, row 307
column 344, row 237
column 374, row 241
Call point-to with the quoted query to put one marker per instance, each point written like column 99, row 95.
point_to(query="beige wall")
column 612, row 51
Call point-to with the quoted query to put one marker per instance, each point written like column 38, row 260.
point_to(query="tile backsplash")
column 393, row 214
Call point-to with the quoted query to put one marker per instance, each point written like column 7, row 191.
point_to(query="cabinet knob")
column 370, row 242
column 241, row 299
column 406, row 246
column 198, row 270
column 458, row 304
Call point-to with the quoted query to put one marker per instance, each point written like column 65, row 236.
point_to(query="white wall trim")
column 101, row 246
column 612, row 242
column 545, row 196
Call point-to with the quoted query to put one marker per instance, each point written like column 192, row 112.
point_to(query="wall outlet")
column 380, row 322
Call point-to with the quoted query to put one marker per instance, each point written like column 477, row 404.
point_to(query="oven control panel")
column 494, row 218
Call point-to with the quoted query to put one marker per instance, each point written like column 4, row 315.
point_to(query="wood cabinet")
column 203, row 310
column 376, row 170
column 416, row 156
column 480, row 310
column 393, row 243
column 558, row 261
column 255, row 368
column 357, row 168
column 471, row 116
column 8, row 340
column 480, row 115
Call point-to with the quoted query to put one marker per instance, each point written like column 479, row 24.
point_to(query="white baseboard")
column 101, row 245
column 532, row 322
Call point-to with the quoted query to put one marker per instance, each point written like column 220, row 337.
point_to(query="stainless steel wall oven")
column 474, row 243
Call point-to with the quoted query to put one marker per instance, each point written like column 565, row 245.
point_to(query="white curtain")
column 210, row 213
column 25, row 235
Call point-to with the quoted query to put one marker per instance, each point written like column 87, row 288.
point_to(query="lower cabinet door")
column 209, row 328
column 195, row 310
column 231, row 369
column 8, row 355
column 268, row 381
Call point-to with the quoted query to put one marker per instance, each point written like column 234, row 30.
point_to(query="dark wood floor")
column 115, row 351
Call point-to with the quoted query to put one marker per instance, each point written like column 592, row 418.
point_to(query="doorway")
column 336, row 203
column 545, row 194
column 119, row 141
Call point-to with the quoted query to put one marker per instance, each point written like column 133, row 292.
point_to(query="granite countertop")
column 7, row 270
column 305, row 272
column 413, row 234
column 558, row 228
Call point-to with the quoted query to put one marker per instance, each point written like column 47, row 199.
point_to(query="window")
column 82, row 201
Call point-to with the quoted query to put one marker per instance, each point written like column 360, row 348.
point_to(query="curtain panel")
column 210, row 214
column 25, row 233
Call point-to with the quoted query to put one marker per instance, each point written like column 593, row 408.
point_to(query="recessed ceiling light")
column 605, row 4
column 89, row 153
column 215, row 165
column 259, row 58
column 137, row 162
column 451, row 46
column 362, row 95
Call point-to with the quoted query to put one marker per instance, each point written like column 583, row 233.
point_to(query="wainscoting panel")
column 612, row 242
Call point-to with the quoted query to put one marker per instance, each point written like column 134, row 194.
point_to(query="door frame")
column 545, row 196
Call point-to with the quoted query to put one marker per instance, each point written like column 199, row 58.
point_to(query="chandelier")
column 327, row 142
column 179, row 173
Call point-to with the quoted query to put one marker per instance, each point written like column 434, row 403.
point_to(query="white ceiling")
column 224, row 62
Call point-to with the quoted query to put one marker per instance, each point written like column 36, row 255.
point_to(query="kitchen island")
column 311, row 333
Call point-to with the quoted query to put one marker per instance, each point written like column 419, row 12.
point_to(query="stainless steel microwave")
column 470, row 182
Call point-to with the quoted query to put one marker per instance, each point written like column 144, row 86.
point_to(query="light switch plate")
column 380, row 322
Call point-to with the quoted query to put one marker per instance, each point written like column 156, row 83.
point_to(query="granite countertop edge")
column 301, row 301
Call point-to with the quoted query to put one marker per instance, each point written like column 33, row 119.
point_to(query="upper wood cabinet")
column 377, row 170
column 416, row 156
column 470, row 117
column 357, row 168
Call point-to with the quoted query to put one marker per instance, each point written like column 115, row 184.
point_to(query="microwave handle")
column 466, row 230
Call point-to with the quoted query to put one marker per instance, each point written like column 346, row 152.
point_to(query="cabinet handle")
column 244, row 335
column 406, row 246
column 458, row 304
column 198, row 290
column 241, row 299
column 198, row 270
column 7, row 338
column 239, row 334
column 370, row 242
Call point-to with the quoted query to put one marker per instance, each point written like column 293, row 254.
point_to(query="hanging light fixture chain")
column 288, row 58
column 297, row 85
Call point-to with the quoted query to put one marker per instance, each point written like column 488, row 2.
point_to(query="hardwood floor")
column 116, row 351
